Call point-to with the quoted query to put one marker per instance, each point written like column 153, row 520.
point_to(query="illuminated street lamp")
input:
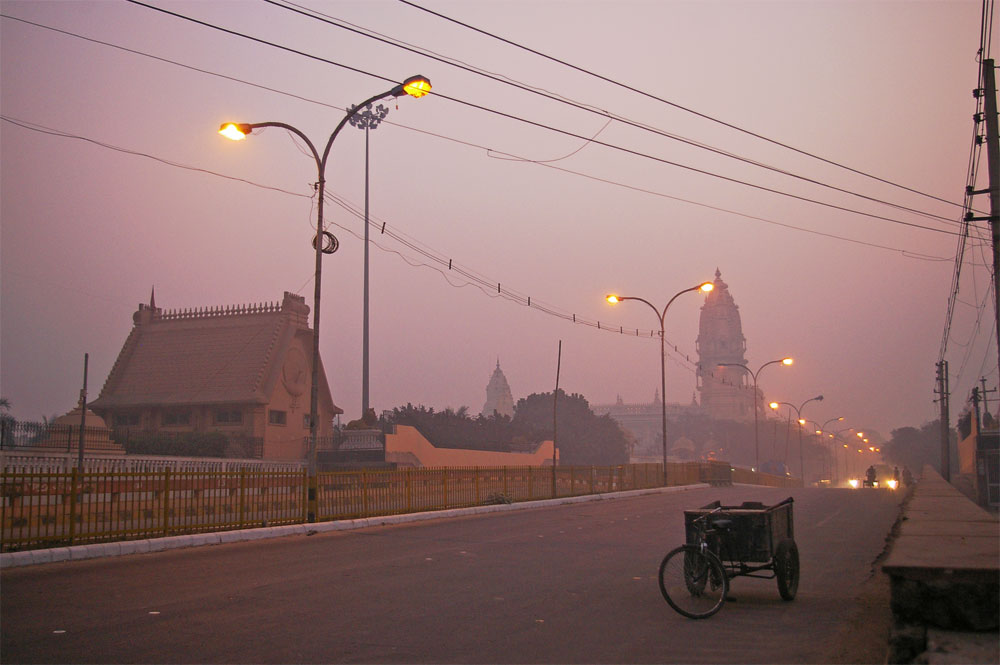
column 704, row 287
column 324, row 242
column 820, row 430
column 756, row 427
column 798, row 412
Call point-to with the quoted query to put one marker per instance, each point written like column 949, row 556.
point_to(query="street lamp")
column 756, row 433
column 798, row 413
column 704, row 287
column 820, row 430
column 324, row 242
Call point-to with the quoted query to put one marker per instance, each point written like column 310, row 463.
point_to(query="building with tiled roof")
column 243, row 371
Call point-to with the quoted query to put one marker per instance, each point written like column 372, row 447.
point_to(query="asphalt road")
column 567, row 584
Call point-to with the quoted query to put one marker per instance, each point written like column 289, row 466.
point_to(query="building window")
column 175, row 418
column 228, row 417
column 276, row 417
column 126, row 420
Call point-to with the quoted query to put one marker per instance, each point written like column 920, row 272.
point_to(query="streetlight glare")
column 774, row 405
column 613, row 299
column 706, row 287
column 234, row 131
column 787, row 361
column 417, row 86
column 802, row 421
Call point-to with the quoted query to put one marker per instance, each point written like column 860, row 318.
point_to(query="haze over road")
column 574, row 583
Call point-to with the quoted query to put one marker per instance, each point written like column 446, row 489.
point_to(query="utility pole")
column 984, row 395
column 975, row 408
column 989, row 91
column 942, row 392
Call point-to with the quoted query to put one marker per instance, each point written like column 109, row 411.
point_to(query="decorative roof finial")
column 152, row 298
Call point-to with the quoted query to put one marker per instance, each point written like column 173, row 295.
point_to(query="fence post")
column 243, row 487
column 409, row 491
column 444, row 482
column 165, row 500
column 505, row 481
column 476, row 476
column 531, row 482
column 364, row 494
column 74, row 485
column 305, row 495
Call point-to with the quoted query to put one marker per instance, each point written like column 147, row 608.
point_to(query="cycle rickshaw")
column 723, row 542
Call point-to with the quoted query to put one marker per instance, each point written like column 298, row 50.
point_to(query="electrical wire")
column 502, row 155
column 325, row 18
column 41, row 129
column 674, row 104
column 539, row 125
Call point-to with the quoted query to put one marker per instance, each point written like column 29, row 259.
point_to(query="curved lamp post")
column 324, row 242
column 756, row 428
column 704, row 287
column 798, row 414
column 838, row 439
column 820, row 430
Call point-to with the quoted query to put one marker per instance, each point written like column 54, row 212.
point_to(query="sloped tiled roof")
column 216, row 356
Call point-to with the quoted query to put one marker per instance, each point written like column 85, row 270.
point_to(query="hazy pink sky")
column 883, row 87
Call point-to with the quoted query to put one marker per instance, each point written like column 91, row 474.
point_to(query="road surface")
column 568, row 584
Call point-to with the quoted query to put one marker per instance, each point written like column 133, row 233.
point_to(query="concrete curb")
column 122, row 548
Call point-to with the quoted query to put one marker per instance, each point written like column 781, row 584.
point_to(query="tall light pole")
column 756, row 428
column 798, row 415
column 323, row 243
column 704, row 287
column 366, row 120
column 820, row 430
column 837, row 439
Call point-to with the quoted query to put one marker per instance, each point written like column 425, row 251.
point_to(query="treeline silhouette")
column 583, row 437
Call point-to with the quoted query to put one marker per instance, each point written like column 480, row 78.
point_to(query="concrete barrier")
column 944, row 572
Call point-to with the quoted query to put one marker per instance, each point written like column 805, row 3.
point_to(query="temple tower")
column 726, row 392
column 498, row 395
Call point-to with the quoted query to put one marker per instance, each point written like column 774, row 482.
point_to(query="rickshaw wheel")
column 786, row 568
column 693, row 582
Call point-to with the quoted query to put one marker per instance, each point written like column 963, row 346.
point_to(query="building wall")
column 407, row 444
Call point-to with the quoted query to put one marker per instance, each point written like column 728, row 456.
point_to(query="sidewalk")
column 126, row 547
column 944, row 571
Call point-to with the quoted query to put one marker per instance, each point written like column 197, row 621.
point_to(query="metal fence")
column 49, row 509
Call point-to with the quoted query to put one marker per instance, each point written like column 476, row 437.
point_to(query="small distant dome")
column 73, row 418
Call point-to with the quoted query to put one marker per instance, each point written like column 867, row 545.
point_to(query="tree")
column 584, row 438
column 914, row 447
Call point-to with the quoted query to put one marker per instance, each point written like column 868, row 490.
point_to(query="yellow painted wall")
column 408, row 443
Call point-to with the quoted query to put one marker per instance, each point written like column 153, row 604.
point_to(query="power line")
column 674, row 104
column 41, row 129
column 474, row 278
column 489, row 151
column 504, row 155
column 325, row 18
column 540, row 125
